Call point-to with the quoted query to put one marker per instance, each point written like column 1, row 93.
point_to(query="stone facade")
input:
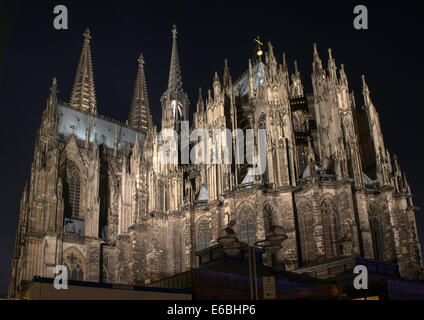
column 102, row 203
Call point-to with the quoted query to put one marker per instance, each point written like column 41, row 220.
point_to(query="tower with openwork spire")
column 174, row 100
column 83, row 96
column 140, row 116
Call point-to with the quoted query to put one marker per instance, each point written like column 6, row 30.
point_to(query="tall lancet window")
column 377, row 238
column 330, row 227
column 306, row 233
column 72, row 190
column 247, row 229
column 203, row 235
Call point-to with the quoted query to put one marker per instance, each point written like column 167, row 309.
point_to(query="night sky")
column 32, row 52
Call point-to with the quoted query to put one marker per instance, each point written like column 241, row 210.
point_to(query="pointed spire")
column 342, row 74
column 83, row 96
column 317, row 64
column 332, row 68
column 209, row 100
column 200, row 103
column 174, row 82
column 52, row 101
column 227, row 76
column 296, row 87
column 365, row 92
column 216, row 85
column 53, row 88
column 140, row 117
column 271, row 56
column 296, row 70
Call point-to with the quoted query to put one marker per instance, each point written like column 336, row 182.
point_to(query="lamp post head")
column 228, row 240
column 276, row 235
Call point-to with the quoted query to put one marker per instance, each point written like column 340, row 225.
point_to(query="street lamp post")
column 232, row 246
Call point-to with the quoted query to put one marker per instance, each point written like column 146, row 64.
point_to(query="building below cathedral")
column 100, row 201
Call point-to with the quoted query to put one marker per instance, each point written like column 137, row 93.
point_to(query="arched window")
column 377, row 238
column 306, row 233
column 262, row 125
column 247, row 226
column 75, row 266
column 330, row 227
column 203, row 235
column 71, row 190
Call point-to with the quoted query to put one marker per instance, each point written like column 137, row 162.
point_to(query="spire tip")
column 140, row 59
column 174, row 31
column 86, row 34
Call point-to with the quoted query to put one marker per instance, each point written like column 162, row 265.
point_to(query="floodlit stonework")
column 100, row 202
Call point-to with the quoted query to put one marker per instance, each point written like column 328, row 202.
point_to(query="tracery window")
column 330, row 227
column 247, row 226
column 71, row 190
column 306, row 233
column 203, row 235
column 74, row 266
column 377, row 238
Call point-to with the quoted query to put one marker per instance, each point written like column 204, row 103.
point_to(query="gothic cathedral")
column 101, row 203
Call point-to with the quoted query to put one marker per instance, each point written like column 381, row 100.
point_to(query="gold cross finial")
column 259, row 52
column 257, row 39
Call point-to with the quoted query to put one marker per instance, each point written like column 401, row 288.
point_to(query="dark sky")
column 390, row 53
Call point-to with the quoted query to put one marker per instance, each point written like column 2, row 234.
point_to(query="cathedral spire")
column 216, row 85
column 200, row 103
column 284, row 60
column 342, row 75
column 365, row 92
column 271, row 57
column 296, row 87
column 227, row 76
column 52, row 102
column 140, row 117
column 83, row 96
column 174, row 100
column 317, row 64
column 332, row 69
column 174, row 82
